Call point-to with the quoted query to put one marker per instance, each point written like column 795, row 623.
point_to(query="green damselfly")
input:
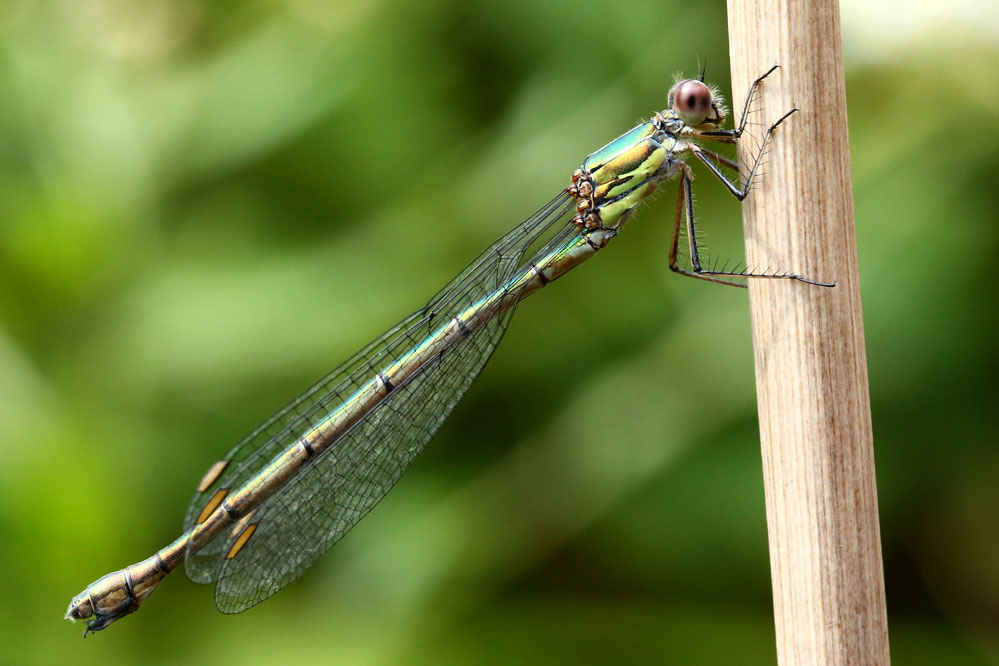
column 293, row 487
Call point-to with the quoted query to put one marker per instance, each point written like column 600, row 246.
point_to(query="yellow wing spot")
column 241, row 540
column 212, row 475
column 212, row 504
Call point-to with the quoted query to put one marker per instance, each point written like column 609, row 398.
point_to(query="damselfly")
column 292, row 488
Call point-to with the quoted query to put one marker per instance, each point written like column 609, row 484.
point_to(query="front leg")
column 729, row 136
column 739, row 193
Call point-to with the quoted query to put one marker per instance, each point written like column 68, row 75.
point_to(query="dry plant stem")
column 811, row 368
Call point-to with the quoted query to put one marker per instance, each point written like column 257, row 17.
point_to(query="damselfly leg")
column 729, row 136
column 684, row 206
column 685, row 214
column 739, row 193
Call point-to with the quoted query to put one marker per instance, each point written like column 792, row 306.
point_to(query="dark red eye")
column 692, row 101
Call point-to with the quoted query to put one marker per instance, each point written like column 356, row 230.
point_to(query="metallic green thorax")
column 619, row 176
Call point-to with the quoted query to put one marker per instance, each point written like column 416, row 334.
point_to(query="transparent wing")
column 303, row 520
column 254, row 450
column 488, row 272
column 310, row 514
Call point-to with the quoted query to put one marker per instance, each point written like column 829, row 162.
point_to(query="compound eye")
column 692, row 101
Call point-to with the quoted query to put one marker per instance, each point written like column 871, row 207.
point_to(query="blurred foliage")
column 205, row 206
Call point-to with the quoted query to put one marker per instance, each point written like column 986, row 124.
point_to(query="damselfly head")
column 695, row 103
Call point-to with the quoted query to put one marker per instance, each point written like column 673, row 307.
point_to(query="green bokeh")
column 204, row 207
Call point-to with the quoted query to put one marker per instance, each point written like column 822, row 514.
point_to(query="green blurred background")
column 206, row 206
